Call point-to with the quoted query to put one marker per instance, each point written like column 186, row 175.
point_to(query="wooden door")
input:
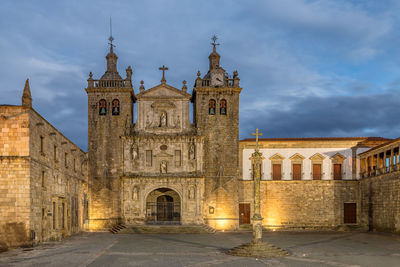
column 337, row 171
column 296, row 171
column 316, row 171
column 350, row 213
column 276, row 171
column 244, row 213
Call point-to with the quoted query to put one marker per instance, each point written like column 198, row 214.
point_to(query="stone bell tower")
column 110, row 113
column 216, row 108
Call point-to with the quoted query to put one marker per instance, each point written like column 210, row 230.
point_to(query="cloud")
column 371, row 115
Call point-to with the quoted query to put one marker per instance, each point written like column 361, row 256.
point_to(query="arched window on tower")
column 102, row 107
column 211, row 107
column 222, row 107
column 115, row 107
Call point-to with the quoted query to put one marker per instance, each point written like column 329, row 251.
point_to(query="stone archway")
column 163, row 206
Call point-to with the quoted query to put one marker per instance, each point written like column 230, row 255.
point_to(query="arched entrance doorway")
column 163, row 206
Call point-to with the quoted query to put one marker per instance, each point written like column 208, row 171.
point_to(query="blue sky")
column 307, row 68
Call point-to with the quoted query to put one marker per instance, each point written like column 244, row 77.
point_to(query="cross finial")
column 214, row 38
column 163, row 68
column 257, row 134
column 111, row 39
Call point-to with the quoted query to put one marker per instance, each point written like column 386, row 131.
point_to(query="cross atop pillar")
column 257, row 134
column 163, row 68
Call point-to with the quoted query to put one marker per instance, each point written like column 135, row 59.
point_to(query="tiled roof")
column 318, row 139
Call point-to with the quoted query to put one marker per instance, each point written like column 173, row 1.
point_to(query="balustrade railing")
column 108, row 83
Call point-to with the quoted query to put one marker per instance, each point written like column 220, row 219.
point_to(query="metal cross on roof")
column 214, row 38
column 163, row 68
column 111, row 39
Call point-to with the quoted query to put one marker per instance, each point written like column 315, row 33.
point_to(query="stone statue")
column 129, row 73
column 134, row 151
column 191, row 193
column 178, row 122
column 163, row 119
column 148, row 122
column 163, row 167
column 191, row 151
column 135, row 193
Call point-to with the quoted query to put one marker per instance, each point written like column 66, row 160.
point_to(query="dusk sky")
column 307, row 68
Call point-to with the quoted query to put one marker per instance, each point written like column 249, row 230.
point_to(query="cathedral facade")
column 162, row 168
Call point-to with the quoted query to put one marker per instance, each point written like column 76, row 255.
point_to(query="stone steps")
column 117, row 228
column 167, row 229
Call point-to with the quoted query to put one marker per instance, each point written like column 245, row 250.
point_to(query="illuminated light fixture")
column 211, row 210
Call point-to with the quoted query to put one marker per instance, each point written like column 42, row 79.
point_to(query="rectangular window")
column 43, row 179
column 74, row 165
column 296, row 172
column 41, row 144
column 178, row 158
column 55, row 153
column 149, row 158
column 276, row 172
column 317, row 172
column 54, row 215
column 43, row 212
column 66, row 160
column 337, row 171
column 350, row 213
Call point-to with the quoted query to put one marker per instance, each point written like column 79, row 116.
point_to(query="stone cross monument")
column 257, row 247
column 256, row 161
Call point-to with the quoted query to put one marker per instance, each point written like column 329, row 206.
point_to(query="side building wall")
column 42, row 180
column 14, row 176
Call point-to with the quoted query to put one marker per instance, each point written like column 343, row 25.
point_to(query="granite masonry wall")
column 314, row 204
column 42, row 180
column 380, row 202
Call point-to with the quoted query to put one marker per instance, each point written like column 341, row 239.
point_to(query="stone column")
column 391, row 160
column 256, row 160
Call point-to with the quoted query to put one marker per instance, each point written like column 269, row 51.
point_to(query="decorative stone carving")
column 192, row 193
column 163, row 167
column 135, row 193
column 163, row 119
column 191, row 151
column 177, row 122
column 148, row 121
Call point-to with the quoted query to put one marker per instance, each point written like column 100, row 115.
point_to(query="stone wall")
column 380, row 202
column 14, row 176
column 38, row 167
column 301, row 204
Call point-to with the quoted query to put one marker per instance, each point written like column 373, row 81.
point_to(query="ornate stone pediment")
column 277, row 156
column 317, row 157
column 338, row 158
column 297, row 157
column 163, row 91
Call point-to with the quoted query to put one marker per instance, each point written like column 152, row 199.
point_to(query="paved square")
column 306, row 248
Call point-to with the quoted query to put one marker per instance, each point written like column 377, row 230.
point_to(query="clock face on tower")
column 217, row 79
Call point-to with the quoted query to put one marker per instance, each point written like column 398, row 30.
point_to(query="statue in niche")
column 163, row 167
column 134, row 151
column 163, row 119
column 178, row 122
column 191, row 193
column 135, row 193
column 148, row 121
column 191, row 151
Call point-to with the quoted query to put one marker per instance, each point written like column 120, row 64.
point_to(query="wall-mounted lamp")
column 211, row 210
